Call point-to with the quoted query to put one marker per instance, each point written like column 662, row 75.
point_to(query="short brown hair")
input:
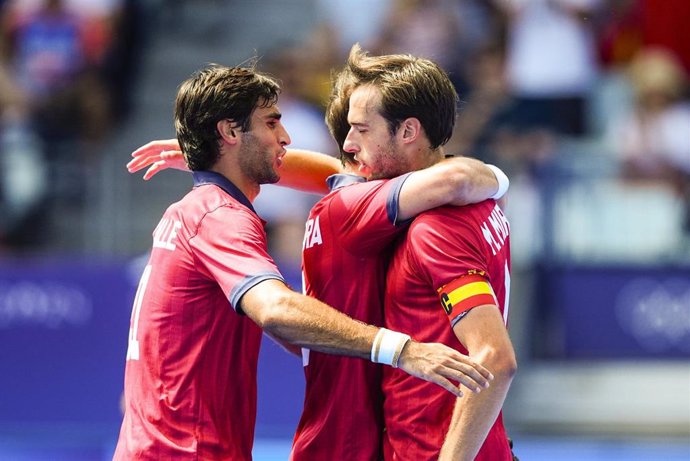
column 213, row 94
column 410, row 87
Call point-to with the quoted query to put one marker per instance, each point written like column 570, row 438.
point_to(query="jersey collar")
column 336, row 181
column 211, row 177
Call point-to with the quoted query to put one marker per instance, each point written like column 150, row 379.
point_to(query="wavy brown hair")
column 213, row 94
column 410, row 87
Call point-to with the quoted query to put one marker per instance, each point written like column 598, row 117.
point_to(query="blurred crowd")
column 570, row 97
column 66, row 70
column 584, row 103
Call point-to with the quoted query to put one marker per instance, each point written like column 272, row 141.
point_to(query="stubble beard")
column 256, row 161
column 389, row 163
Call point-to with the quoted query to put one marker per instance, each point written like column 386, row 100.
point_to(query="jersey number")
column 133, row 343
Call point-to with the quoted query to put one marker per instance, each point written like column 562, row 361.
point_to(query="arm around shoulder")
column 456, row 181
column 307, row 170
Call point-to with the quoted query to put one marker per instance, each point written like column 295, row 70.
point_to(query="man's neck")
column 431, row 157
column 248, row 187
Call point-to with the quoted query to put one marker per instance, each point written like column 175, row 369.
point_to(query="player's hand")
column 159, row 155
column 439, row 364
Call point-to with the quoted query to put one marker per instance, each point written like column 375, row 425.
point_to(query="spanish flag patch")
column 464, row 293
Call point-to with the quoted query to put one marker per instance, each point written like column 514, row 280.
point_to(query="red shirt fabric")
column 345, row 252
column 441, row 246
column 665, row 25
column 190, row 376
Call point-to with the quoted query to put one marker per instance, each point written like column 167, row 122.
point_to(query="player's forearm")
column 472, row 181
column 456, row 181
column 307, row 171
column 475, row 414
column 307, row 322
column 288, row 347
column 311, row 324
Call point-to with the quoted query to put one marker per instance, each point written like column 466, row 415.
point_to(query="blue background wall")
column 63, row 340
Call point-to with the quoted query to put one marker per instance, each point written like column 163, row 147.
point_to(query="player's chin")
column 364, row 170
column 274, row 178
column 276, row 168
column 267, row 176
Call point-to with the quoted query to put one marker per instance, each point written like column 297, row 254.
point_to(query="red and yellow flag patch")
column 466, row 292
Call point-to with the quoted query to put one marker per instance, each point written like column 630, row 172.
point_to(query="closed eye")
column 358, row 128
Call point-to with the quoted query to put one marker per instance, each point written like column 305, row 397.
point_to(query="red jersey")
column 345, row 253
column 441, row 247
column 190, row 377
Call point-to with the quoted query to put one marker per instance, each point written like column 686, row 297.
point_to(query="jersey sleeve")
column 367, row 214
column 231, row 247
column 454, row 267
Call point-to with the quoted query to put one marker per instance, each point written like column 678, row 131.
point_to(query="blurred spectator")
column 54, row 54
column 352, row 21
column 113, row 34
column 122, row 53
column 666, row 26
column 316, row 57
column 650, row 145
column 620, row 32
column 426, row 28
column 446, row 31
column 485, row 107
column 488, row 124
column 22, row 172
column 551, row 62
column 12, row 98
column 47, row 48
column 653, row 141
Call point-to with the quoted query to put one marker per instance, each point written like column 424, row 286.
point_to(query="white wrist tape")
column 387, row 347
column 503, row 181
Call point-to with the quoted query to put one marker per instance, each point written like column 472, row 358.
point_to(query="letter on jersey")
column 312, row 234
column 165, row 234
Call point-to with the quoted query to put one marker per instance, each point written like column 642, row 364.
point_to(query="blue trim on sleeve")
column 248, row 283
column 393, row 199
column 336, row 181
column 211, row 177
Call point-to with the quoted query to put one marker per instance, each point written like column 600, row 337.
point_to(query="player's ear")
column 228, row 130
column 410, row 129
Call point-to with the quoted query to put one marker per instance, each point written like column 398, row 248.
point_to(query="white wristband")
column 387, row 347
column 503, row 181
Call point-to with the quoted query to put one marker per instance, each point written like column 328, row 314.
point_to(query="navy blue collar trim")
column 336, row 181
column 211, row 177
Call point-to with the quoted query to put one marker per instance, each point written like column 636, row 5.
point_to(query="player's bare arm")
column 302, row 169
column 455, row 181
column 288, row 347
column 307, row 170
column 309, row 323
column 484, row 334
